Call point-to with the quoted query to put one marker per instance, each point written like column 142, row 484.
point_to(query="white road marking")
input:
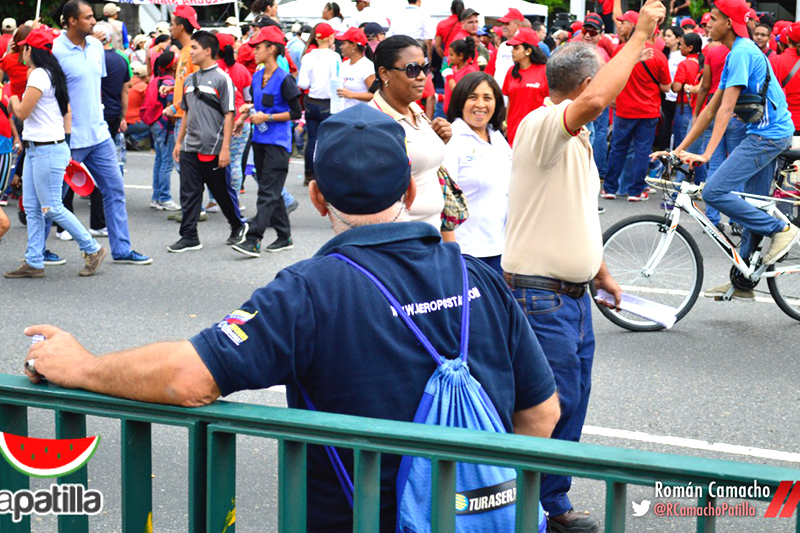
column 694, row 444
column 680, row 442
column 147, row 187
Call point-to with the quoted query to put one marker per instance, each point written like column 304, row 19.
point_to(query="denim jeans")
column 563, row 326
column 750, row 168
column 599, row 138
column 164, row 143
column 138, row 132
column 681, row 123
column 315, row 115
column 43, row 176
column 734, row 135
column 288, row 199
column 641, row 132
column 101, row 160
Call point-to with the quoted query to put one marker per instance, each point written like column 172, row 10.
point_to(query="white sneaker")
column 242, row 207
column 212, row 208
column 64, row 236
column 169, row 205
column 102, row 232
column 782, row 241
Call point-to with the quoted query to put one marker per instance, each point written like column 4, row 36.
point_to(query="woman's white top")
column 483, row 171
column 673, row 60
column 354, row 78
column 45, row 122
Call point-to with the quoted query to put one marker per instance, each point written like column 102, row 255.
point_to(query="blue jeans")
column 641, row 132
column 681, row 123
column 138, row 132
column 42, row 178
column 563, row 326
column 750, row 168
column 598, row 129
column 164, row 143
column 315, row 115
column 734, row 135
column 101, row 160
column 288, row 199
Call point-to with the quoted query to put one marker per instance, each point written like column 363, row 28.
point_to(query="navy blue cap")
column 361, row 162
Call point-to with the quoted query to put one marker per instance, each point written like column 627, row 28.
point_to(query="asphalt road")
column 725, row 374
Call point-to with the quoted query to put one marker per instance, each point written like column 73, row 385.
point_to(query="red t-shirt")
column 241, row 79
column 446, row 29
column 608, row 6
column 456, row 76
column 641, row 96
column 4, row 40
column 17, row 73
column 524, row 95
column 686, row 74
column 786, row 62
column 135, row 99
column 5, row 123
column 715, row 59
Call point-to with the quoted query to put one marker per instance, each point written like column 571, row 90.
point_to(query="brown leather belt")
column 28, row 144
column 574, row 290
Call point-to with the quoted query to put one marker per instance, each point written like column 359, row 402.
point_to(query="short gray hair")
column 570, row 65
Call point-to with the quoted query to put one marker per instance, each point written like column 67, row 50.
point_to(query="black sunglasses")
column 412, row 70
column 591, row 32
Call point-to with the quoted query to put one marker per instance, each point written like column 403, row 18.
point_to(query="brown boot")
column 25, row 271
column 93, row 262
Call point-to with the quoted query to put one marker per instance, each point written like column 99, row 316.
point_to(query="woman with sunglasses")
column 525, row 84
column 44, row 108
column 401, row 71
column 276, row 102
column 478, row 158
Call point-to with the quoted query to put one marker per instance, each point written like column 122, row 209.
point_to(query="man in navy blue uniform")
column 323, row 325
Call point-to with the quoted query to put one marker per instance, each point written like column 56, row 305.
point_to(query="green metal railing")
column 212, row 434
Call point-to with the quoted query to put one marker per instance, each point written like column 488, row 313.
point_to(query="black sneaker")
column 184, row 245
column 238, row 235
column 280, row 244
column 248, row 248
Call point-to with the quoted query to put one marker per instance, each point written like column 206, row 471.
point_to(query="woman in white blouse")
column 401, row 70
column 478, row 158
column 357, row 72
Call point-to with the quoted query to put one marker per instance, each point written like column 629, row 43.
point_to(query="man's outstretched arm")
column 165, row 372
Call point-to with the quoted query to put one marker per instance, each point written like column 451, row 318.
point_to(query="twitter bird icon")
column 640, row 509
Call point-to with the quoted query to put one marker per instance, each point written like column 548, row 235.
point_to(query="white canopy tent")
column 310, row 11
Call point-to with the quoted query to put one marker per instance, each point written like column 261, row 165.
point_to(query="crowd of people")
column 505, row 130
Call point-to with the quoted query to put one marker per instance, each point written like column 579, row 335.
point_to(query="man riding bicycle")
column 750, row 167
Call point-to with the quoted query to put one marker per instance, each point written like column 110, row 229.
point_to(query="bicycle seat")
column 792, row 154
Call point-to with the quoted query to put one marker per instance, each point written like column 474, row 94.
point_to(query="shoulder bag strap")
column 791, row 74
column 333, row 454
column 652, row 77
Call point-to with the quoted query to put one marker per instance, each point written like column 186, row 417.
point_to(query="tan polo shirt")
column 553, row 228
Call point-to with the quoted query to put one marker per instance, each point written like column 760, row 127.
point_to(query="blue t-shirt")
column 84, row 67
column 325, row 325
column 746, row 67
column 117, row 75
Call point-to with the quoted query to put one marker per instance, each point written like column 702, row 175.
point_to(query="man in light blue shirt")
column 82, row 59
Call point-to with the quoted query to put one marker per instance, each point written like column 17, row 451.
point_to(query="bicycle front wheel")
column 629, row 246
column 785, row 287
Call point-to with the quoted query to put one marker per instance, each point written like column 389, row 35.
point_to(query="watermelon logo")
column 47, row 457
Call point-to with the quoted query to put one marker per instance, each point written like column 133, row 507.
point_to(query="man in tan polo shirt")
column 553, row 237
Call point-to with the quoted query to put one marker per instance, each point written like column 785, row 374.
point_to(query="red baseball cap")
column 736, row 10
column 688, row 22
column 784, row 37
column 794, row 32
column 354, row 35
column 705, row 19
column 270, row 34
column 594, row 20
column 524, row 35
column 79, row 178
column 630, row 16
column 41, row 38
column 752, row 15
column 225, row 39
column 780, row 25
column 513, row 14
column 324, row 30
column 188, row 13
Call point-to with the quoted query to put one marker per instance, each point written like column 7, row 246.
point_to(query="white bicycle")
column 656, row 258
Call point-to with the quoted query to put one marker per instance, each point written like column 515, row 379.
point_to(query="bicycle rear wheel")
column 785, row 288
column 628, row 246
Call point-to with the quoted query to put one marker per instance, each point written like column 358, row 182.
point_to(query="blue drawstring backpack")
column 485, row 495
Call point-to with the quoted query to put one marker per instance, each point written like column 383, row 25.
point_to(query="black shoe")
column 292, row 207
column 736, row 229
column 184, row 245
column 248, row 248
column 23, row 217
column 601, row 210
column 238, row 235
column 280, row 244
column 572, row 522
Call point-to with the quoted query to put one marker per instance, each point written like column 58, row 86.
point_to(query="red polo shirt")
column 446, row 29
column 641, row 97
column 786, row 62
column 687, row 74
column 715, row 59
column 524, row 95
